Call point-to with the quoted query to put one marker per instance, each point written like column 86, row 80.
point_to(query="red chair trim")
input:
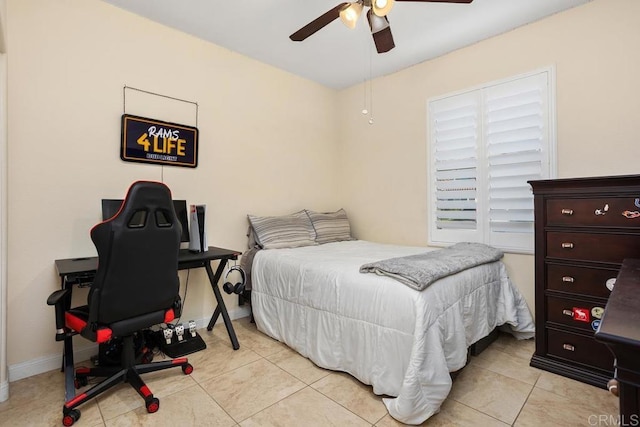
column 78, row 324
column 73, row 401
column 103, row 335
column 74, row 322
column 145, row 391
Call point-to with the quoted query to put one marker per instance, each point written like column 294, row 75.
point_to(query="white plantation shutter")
column 516, row 133
column 455, row 133
column 506, row 130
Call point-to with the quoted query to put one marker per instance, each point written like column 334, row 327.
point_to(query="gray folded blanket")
column 421, row 270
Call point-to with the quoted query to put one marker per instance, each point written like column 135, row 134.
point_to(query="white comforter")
column 401, row 341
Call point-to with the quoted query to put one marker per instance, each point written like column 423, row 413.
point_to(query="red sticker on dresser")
column 581, row 314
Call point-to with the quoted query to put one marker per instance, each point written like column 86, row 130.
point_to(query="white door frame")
column 4, row 375
column 4, row 372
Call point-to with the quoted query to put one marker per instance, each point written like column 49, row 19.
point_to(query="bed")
column 402, row 342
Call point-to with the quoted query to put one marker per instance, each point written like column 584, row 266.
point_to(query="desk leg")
column 67, row 354
column 221, row 308
column 69, row 377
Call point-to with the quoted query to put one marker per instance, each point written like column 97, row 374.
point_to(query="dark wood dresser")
column 620, row 331
column 584, row 229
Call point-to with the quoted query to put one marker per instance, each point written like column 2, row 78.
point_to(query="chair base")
column 118, row 374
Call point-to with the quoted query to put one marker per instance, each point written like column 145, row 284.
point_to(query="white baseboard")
column 54, row 361
column 235, row 313
column 47, row 363
column 4, row 391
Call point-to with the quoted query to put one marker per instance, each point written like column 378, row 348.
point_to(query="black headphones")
column 238, row 288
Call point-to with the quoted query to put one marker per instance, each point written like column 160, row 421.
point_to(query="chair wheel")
column 153, row 405
column 71, row 417
column 187, row 369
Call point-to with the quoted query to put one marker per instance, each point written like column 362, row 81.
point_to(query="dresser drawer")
column 579, row 349
column 575, row 313
column 598, row 247
column 597, row 212
column 580, row 280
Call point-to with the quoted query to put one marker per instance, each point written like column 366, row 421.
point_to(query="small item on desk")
column 197, row 235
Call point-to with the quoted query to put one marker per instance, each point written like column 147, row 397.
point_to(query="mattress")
column 401, row 341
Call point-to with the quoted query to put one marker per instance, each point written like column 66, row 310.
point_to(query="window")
column 485, row 144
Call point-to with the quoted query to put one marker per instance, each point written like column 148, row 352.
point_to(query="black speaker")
column 238, row 287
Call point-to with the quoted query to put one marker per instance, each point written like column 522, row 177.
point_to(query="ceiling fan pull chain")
column 364, row 103
column 370, row 87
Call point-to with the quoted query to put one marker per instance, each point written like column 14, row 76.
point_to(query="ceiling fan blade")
column 440, row 1
column 381, row 32
column 318, row 23
column 384, row 40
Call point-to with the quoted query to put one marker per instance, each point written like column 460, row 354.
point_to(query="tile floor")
column 264, row 383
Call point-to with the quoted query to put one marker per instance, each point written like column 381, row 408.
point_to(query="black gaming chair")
column 136, row 286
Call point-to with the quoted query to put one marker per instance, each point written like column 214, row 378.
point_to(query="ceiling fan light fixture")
column 381, row 7
column 350, row 14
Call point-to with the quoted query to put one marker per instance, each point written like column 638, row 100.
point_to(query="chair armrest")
column 57, row 296
column 57, row 299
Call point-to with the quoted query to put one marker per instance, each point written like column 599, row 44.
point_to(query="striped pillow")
column 330, row 226
column 286, row 231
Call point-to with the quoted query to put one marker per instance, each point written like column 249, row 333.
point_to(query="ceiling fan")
column 349, row 12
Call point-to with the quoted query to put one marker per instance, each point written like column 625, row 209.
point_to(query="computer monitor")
column 110, row 207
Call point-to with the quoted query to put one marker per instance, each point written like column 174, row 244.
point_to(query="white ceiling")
column 337, row 56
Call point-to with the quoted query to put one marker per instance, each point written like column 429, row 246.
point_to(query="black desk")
column 81, row 271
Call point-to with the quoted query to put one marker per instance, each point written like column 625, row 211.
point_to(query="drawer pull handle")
column 568, row 347
column 567, row 245
column 567, row 212
column 567, row 312
column 568, row 279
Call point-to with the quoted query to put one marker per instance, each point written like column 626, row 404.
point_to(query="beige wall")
column 270, row 142
column 594, row 49
column 264, row 147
